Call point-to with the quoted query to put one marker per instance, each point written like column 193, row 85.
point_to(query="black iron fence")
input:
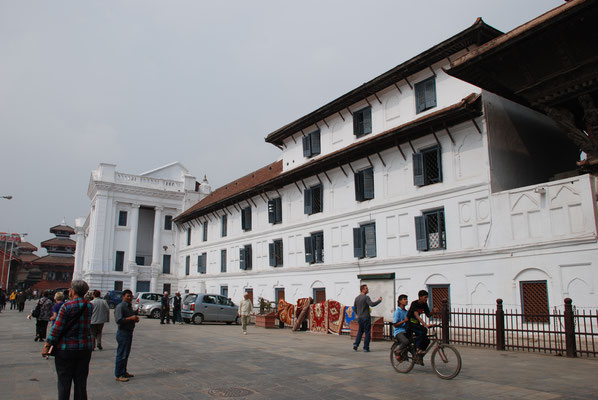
column 570, row 332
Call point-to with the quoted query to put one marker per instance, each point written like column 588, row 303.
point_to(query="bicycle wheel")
column 446, row 361
column 404, row 362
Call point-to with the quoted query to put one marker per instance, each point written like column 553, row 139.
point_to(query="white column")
column 79, row 251
column 134, row 224
column 156, row 244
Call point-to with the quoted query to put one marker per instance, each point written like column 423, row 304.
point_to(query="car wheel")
column 155, row 314
column 197, row 319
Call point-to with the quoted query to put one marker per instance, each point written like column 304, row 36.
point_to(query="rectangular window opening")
column 425, row 95
column 122, row 218
column 311, row 144
column 362, row 122
column 168, row 222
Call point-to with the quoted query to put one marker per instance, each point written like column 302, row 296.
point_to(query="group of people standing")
column 76, row 331
column 16, row 298
column 176, row 309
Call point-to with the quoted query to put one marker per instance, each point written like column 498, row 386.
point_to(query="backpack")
column 37, row 310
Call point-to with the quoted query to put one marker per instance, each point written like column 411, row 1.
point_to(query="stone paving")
column 204, row 362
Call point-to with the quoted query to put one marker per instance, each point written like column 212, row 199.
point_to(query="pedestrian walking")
column 13, row 300
column 21, row 298
column 99, row 316
column 42, row 313
column 245, row 311
column 176, row 309
column 362, row 306
column 165, row 311
column 125, row 319
column 71, row 338
column 2, row 300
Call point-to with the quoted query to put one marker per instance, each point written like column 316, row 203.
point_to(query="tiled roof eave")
column 467, row 109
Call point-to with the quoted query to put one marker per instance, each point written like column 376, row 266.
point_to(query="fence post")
column 500, row 325
column 569, row 329
column 445, row 321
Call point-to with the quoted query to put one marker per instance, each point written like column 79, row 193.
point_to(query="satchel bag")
column 53, row 349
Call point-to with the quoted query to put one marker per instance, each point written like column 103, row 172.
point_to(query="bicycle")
column 445, row 359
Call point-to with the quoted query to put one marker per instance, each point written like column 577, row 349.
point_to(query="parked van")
column 201, row 307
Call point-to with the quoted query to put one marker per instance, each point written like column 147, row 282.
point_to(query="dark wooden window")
column 223, row 260
column 534, row 301
column 224, row 223
column 140, row 260
column 122, row 218
column 249, row 291
column 425, row 95
column 314, row 248
column 275, row 211
column 202, row 261
column 319, row 295
column 311, row 144
column 364, row 241
column 118, row 285
column 166, row 288
column 275, row 253
column 245, row 257
column 364, row 184
column 187, row 264
column 362, row 122
column 166, row 264
column 427, row 166
column 120, row 261
column 224, row 291
column 246, row 219
column 313, row 200
column 188, row 236
column 430, row 233
column 205, row 231
column 436, row 294
column 279, row 295
column 168, row 222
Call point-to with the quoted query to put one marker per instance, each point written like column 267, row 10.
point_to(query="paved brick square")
column 211, row 360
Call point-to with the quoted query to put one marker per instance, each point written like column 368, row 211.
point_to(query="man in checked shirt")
column 71, row 336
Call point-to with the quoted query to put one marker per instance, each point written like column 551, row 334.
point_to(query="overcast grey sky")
column 144, row 83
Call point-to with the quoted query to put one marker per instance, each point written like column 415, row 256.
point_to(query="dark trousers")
column 421, row 336
column 41, row 327
column 96, row 334
column 124, row 339
column 72, row 366
column 21, row 307
column 403, row 339
column 165, row 313
column 13, row 305
column 365, row 325
column 176, row 315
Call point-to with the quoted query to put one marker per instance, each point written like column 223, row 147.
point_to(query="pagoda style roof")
column 62, row 228
column 68, row 261
column 28, row 258
column 59, row 242
column 26, row 246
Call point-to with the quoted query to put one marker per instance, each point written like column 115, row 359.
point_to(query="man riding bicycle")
column 399, row 323
column 416, row 324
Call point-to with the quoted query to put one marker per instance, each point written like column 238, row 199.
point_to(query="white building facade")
column 128, row 239
column 415, row 180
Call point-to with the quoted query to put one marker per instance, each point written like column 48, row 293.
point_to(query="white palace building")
column 414, row 180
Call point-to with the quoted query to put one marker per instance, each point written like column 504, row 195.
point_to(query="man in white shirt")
column 245, row 311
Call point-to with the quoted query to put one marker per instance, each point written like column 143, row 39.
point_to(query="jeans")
column 421, row 336
column 124, row 339
column 365, row 325
column 176, row 315
column 72, row 366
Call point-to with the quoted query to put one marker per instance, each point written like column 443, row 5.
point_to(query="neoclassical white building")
column 128, row 239
column 414, row 180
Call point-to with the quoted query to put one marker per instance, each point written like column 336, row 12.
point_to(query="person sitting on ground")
column 416, row 324
column 399, row 323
